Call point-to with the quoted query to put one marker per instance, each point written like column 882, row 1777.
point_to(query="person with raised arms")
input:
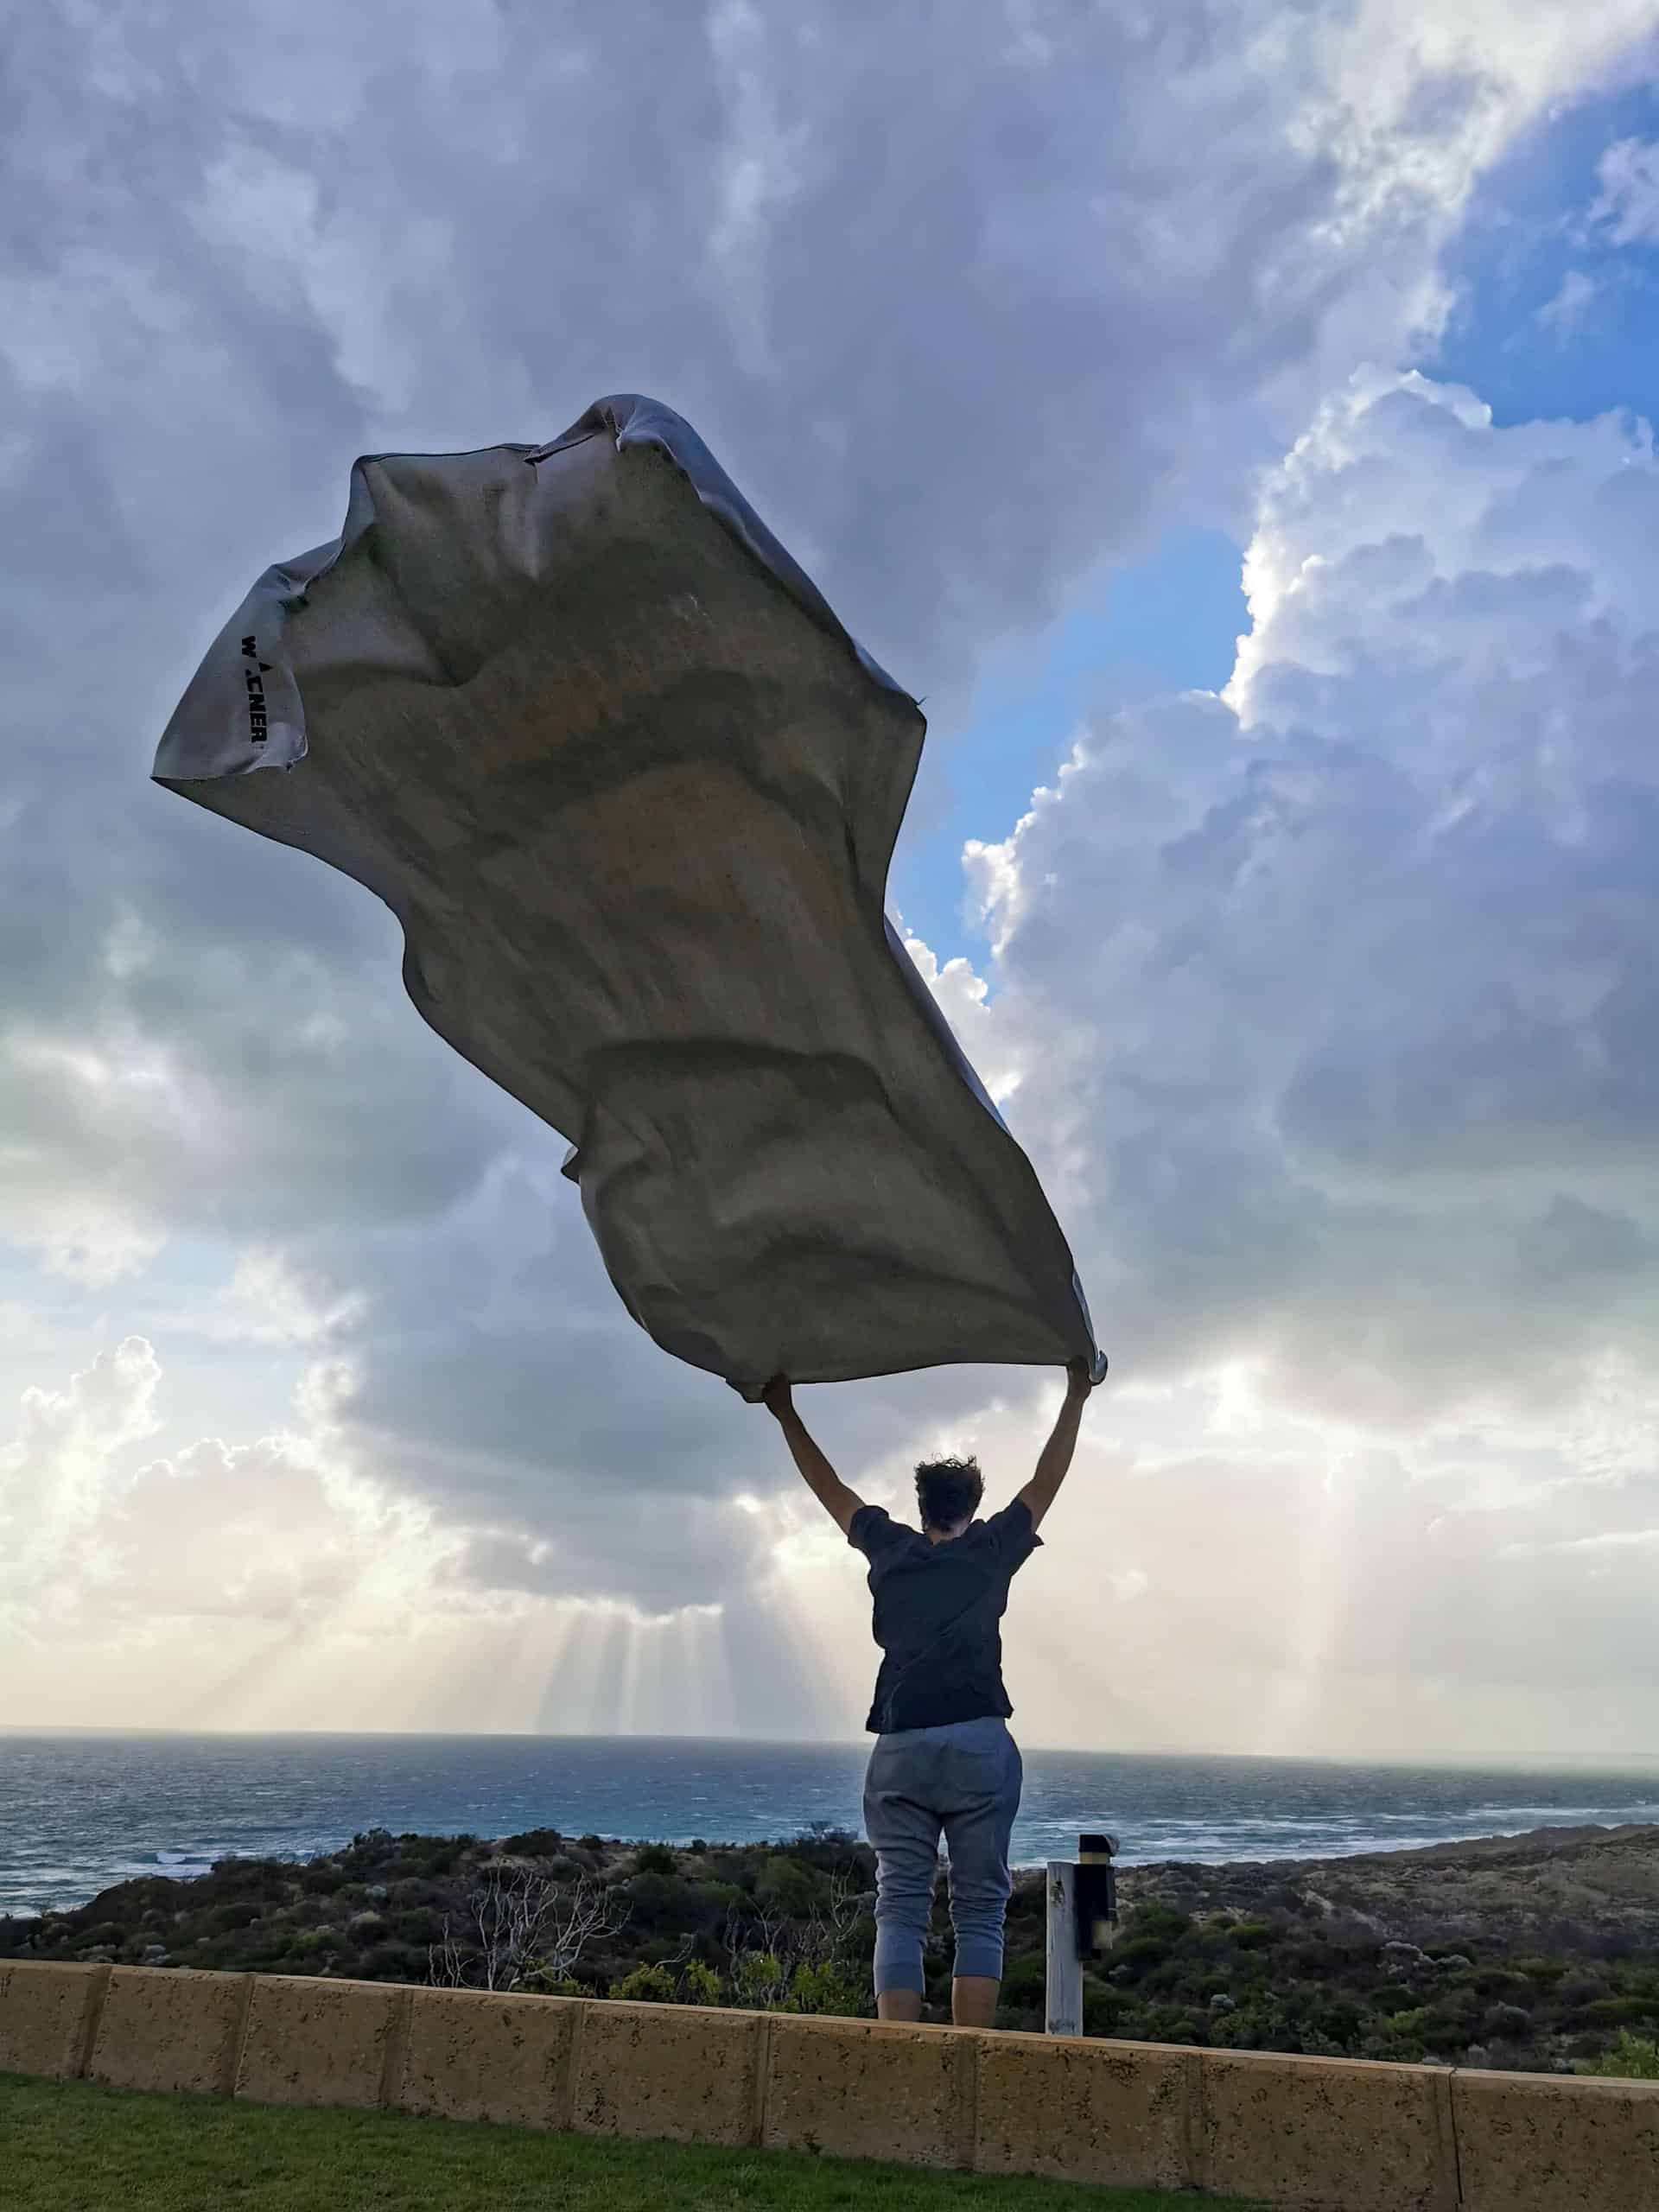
column 943, row 1761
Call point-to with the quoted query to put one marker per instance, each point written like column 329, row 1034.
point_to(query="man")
column 944, row 1758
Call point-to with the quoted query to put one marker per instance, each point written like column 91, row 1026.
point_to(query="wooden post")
column 1063, row 2014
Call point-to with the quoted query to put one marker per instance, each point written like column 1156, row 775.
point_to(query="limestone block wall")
column 1304, row 2134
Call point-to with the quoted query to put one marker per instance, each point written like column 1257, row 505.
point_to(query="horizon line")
column 1473, row 1761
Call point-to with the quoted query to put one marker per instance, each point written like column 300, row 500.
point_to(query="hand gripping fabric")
column 632, row 790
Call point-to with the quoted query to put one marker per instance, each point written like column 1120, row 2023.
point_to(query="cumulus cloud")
column 1336, row 995
column 1334, row 1005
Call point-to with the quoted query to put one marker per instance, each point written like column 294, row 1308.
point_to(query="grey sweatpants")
column 962, row 1779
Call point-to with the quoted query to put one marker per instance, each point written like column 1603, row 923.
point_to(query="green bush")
column 701, row 1984
column 540, row 1983
column 721, row 1895
column 655, row 1858
column 1105, row 2010
column 828, row 1987
column 1162, row 1920
column 534, row 1843
column 755, row 1976
column 1394, row 1998
column 392, row 1961
column 1632, row 2058
column 1025, row 1982
column 787, row 1886
column 661, row 1900
column 1140, row 1955
column 1619, row 2011
column 646, row 1986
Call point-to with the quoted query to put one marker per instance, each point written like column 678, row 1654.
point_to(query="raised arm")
column 1056, row 1455
column 821, row 1478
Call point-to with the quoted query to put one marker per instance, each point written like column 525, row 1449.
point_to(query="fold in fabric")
column 631, row 789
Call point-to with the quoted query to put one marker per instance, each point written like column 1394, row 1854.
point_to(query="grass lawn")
column 72, row 2147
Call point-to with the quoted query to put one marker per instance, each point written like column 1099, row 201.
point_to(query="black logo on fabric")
column 258, row 723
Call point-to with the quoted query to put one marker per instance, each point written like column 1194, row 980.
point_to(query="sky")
column 1231, row 420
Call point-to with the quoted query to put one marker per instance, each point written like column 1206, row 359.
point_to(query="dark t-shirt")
column 937, row 1613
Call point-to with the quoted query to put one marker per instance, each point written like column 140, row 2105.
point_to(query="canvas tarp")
column 632, row 790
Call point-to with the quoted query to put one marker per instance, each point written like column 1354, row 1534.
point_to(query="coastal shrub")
column 1138, row 1956
column 759, row 1981
column 828, row 1987
column 721, row 1895
column 788, row 1887
column 1499, row 1981
column 540, row 1983
column 1175, row 2023
column 1252, row 1935
column 393, row 1961
column 1393, row 1997
column 700, row 1984
column 242, row 1914
column 1025, row 1983
column 1161, row 1920
column 1619, row 2011
column 534, row 1843
column 1632, row 2058
column 1543, row 1970
column 860, row 1936
column 661, row 1900
column 646, row 1984
column 1579, row 1989
column 655, row 1858
column 1105, row 2010
column 370, row 1849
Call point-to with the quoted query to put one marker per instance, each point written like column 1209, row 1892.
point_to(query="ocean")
column 80, row 1811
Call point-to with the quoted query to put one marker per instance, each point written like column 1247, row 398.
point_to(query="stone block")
column 475, row 2055
column 166, row 2028
column 312, row 2041
column 871, row 2089
column 1545, row 2142
column 1325, row 2134
column 1072, row 2109
column 674, row 2072
column 48, row 2014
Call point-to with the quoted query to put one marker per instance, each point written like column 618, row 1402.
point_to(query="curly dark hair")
column 948, row 1490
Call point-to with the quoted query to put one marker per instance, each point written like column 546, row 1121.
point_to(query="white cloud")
column 1335, row 1001
column 1628, row 205
column 1566, row 307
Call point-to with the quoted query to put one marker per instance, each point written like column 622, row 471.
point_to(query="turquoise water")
column 80, row 1811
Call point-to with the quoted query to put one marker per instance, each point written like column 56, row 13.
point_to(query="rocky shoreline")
column 1537, row 1952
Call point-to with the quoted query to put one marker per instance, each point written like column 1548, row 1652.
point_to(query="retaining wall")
column 1304, row 2134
